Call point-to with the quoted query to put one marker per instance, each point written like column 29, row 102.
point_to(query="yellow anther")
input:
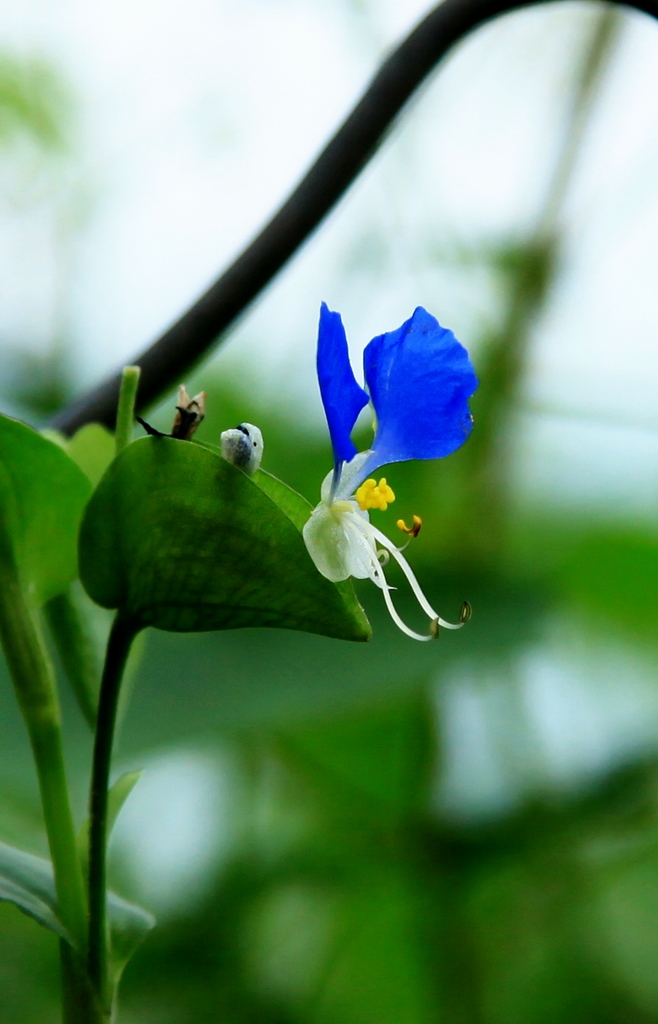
column 412, row 530
column 374, row 495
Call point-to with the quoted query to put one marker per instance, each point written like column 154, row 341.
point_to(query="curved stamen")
column 369, row 529
column 432, row 635
column 379, row 578
column 414, row 529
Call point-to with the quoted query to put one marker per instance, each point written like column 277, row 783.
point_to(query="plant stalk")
column 126, row 407
column 34, row 682
column 80, row 1003
column 121, row 637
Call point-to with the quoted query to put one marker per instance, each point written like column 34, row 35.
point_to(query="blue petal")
column 342, row 397
column 420, row 379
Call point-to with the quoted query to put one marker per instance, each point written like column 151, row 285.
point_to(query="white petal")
column 337, row 543
column 325, row 490
column 361, row 546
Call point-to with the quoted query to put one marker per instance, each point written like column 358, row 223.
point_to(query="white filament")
column 342, row 542
column 415, row 585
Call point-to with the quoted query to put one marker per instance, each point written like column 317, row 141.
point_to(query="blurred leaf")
column 117, row 796
column 28, row 882
column 372, row 761
column 626, row 909
column 27, row 953
column 179, row 539
column 92, row 449
column 33, row 101
column 378, row 972
column 81, row 654
column 518, row 929
column 43, row 496
column 129, row 926
column 20, row 812
column 37, row 384
column 286, row 934
column 614, row 577
column 221, row 682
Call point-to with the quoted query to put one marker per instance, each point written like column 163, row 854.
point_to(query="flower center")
column 338, row 507
column 374, row 495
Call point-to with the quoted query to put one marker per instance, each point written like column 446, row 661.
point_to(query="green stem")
column 34, row 682
column 118, row 647
column 126, row 410
column 76, row 649
column 80, row 1003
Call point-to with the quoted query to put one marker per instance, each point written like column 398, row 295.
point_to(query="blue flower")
column 418, row 379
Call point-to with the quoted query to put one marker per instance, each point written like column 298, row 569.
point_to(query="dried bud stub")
column 243, row 446
column 189, row 414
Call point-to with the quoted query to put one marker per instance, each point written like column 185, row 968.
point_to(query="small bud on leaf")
column 243, row 446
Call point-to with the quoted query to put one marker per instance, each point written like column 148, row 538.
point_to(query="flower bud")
column 243, row 446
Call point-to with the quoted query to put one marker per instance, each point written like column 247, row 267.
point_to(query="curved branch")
column 335, row 169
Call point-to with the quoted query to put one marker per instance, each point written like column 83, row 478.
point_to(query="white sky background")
column 195, row 118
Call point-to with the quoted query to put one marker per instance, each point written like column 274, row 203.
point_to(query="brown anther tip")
column 434, row 628
column 466, row 612
column 414, row 529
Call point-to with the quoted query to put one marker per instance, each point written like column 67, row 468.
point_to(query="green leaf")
column 291, row 502
column 613, row 576
column 117, row 797
column 92, row 449
column 28, row 882
column 43, row 494
column 34, row 102
column 177, row 538
column 378, row 968
column 373, row 764
column 129, row 926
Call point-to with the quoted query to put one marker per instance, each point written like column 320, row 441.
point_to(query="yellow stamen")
column 374, row 495
column 412, row 530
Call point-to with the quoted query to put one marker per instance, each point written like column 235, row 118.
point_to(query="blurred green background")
column 462, row 832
